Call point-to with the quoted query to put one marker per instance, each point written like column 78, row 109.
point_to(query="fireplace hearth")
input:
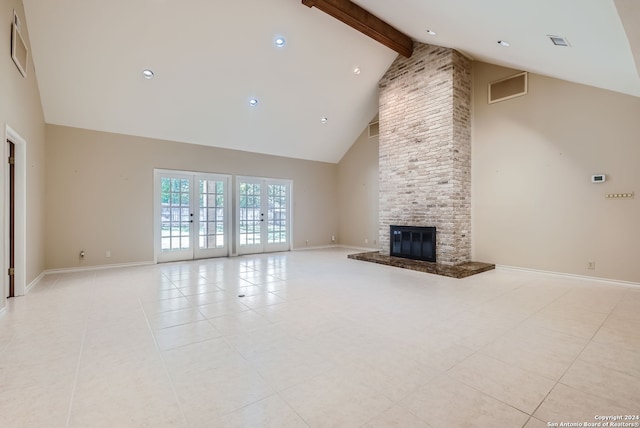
column 461, row 270
column 413, row 242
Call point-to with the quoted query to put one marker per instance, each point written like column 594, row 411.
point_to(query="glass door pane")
column 277, row 216
column 175, row 217
column 263, row 215
column 192, row 215
column 212, row 216
column 250, row 216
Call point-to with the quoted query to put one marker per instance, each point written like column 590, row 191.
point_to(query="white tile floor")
column 317, row 341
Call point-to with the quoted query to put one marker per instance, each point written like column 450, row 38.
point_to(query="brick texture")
column 425, row 149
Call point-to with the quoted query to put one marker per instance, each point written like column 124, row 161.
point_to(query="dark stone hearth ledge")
column 462, row 270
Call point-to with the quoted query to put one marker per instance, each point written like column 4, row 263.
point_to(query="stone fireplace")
column 425, row 149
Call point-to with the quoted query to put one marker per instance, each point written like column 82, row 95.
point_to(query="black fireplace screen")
column 418, row 243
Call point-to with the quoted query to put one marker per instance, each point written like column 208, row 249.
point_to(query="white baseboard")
column 97, row 267
column 616, row 282
column 37, row 280
column 320, row 247
column 34, row 282
column 347, row 247
column 353, row 247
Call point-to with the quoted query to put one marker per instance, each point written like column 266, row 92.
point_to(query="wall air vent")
column 558, row 40
column 374, row 129
column 19, row 50
column 509, row 87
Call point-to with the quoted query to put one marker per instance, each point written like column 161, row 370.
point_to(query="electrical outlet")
column 108, row 253
column 81, row 254
column 307, row 242
column 591, row 264
column 366, row 240
column 333, row 238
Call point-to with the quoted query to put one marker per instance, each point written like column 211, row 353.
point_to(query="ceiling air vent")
column 509, row 87
column 558, row 41
column 374, row 129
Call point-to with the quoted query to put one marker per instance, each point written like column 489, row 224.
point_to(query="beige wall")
column 20, row 108
column 534, row 205
column 358, row 193
column 100, row 192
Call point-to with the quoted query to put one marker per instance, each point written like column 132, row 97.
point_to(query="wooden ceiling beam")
column 363, row 21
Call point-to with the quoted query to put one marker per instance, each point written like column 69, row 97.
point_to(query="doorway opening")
column 12, row 218
column 14, row 228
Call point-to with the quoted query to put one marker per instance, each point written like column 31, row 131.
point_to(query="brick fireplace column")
column 425, row 149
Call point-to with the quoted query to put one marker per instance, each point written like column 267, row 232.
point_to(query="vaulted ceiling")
column 211, row 57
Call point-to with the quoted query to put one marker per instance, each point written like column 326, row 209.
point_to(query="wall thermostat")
column 598, row 178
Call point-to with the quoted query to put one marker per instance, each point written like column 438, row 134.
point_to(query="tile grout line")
column 528, row 420
column 491, row 396
column 77, row 372
column 284, row 400
column 164, row 365
column 575, row 359
column 485, row 301
column 479, row 352
column 275, row 392
column 75, row 377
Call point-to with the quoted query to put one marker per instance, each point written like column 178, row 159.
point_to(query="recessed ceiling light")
column 431, row 33
column 357, row 71
column 504, row 43
column 324, row 120
column 253, row 102
column 280, row 41
column 147, row 74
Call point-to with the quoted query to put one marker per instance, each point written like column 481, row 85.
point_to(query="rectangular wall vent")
column 374, row 129
column 558, row 40
column 19, row 50
column 509, row 87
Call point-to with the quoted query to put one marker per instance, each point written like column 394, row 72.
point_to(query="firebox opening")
column 413, row 242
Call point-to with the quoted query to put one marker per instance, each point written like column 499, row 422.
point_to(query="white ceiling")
column 211, row 56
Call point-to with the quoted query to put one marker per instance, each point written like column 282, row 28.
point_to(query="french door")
column 192, row 212
column 263, row 215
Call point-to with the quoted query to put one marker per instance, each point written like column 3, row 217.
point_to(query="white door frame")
column 20, row 212
column 157, row 173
